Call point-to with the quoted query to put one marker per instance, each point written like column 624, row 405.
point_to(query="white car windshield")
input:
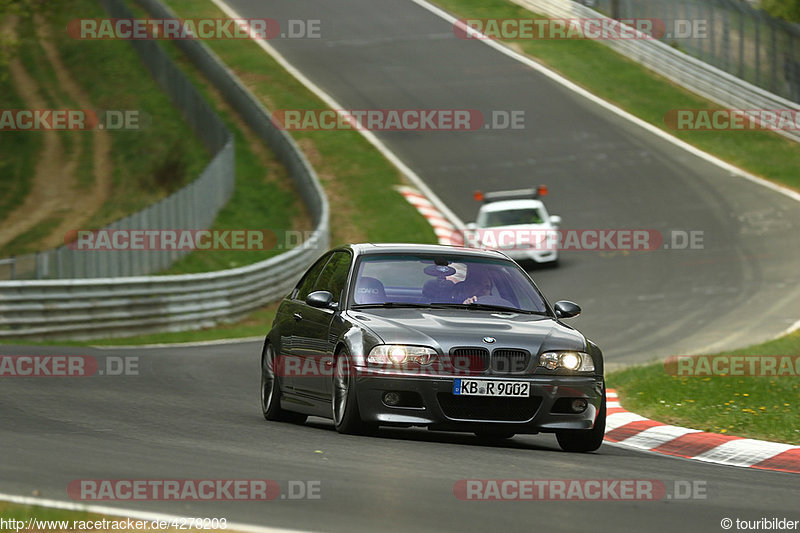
column 454, row 281
column 511, row 217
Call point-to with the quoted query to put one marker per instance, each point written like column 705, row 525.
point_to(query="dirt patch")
column 251, row 81
column 54, row 187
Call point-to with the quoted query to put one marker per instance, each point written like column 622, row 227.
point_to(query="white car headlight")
column 575, row 361
column 400, row 354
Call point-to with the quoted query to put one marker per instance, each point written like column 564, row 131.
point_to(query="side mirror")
column 566, row 309
column 555, row 220
column 320, row 299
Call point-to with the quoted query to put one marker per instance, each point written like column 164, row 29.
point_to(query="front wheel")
column 271, row 391
column 585, row 440
column 345, row 414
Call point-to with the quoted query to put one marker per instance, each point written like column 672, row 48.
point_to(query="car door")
column 291, row 324
column 314, row 340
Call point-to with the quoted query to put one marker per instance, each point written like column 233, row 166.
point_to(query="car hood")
column 448, row 328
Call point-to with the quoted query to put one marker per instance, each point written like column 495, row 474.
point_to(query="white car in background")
column 517, row 223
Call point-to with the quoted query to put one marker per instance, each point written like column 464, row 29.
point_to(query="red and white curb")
column 630, row 430
column 445, row 231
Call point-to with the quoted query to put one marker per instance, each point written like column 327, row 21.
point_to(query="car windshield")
column 444, row 281
column 511, row 217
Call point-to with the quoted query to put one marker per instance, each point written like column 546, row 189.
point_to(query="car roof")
column 507, row 205
column 380, row 248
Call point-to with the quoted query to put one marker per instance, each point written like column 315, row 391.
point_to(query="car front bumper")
column 438, row 408
column 539, row 256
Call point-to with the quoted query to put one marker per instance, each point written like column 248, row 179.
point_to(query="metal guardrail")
column 693, row 74
column 737, row 38
column 107, row 307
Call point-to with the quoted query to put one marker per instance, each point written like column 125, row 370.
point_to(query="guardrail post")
column 773, row 41
column 740, row 71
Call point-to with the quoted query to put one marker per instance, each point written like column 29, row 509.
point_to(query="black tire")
column 271, row 391
column 344, row 406
column 587, row 440
column 494, row 435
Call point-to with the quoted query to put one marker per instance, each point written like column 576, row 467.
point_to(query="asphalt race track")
column 193, row 412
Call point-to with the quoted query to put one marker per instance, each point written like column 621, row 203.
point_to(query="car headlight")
column 574, row 361
column 400, row 354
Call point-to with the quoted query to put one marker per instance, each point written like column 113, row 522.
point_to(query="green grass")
column 147, row 165
column 643, row 93
column 18, row 153
column 357, row 178
column 151, row 163
column 255, row 324
column 757, row 407
column 23, row 512
column 263, row 197
column 26, row 241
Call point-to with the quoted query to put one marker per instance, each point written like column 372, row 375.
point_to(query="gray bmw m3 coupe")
column 447, row 338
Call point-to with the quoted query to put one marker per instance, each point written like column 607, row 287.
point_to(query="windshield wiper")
column 490, row 307
column 390, row 305
column 443, row 305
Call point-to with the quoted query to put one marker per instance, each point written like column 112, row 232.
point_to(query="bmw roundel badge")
column 489, row 340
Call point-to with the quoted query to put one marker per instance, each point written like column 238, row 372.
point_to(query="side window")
column 306, row 285
column 334, row 275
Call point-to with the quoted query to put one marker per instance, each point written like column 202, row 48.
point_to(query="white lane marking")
column 791, row 329
column 743, row 452
column 614, row 109
column 333, row 104
column 130, row 513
